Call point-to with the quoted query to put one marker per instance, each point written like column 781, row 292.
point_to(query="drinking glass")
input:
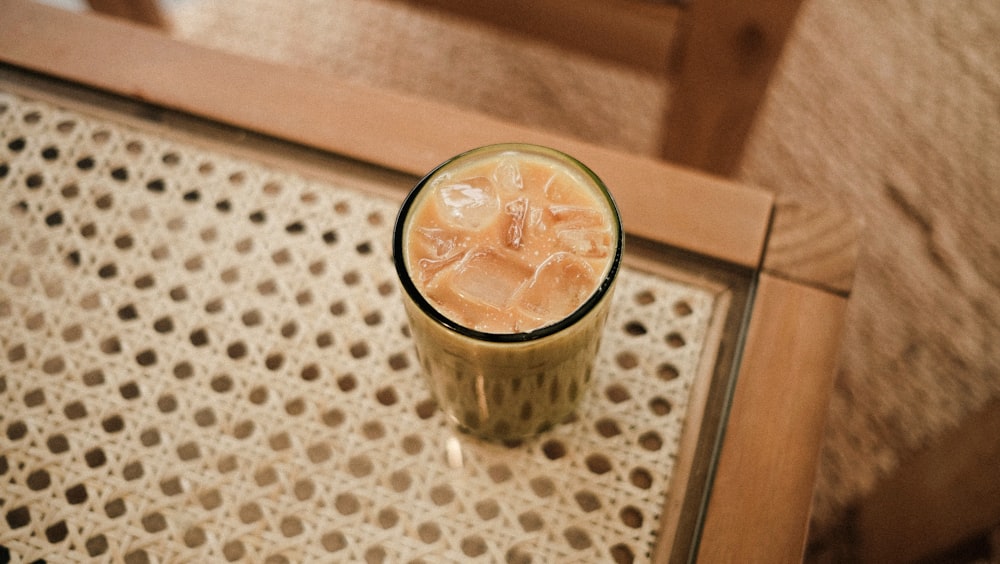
column 507, row 385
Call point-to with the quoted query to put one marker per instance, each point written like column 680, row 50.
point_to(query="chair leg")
column 722, row 64
column 146, row 12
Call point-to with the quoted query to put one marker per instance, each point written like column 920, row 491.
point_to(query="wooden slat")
column 942, row 496
column 637, row 33
column 146, row 12
column 761, row 495
column 724, row 57
column 693, row 211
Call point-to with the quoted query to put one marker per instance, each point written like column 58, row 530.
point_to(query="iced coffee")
column 508, row 256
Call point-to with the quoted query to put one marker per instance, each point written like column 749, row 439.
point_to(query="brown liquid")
column 509, row 243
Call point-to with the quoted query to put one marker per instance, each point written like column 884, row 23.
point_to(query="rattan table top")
column 205, row 358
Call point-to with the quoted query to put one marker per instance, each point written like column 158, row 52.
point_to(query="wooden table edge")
column 813, row 244
column 762, row 490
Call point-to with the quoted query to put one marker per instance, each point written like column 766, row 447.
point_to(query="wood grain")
column 814, row 245
column 762, row 492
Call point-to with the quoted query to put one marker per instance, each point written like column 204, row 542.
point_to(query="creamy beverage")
column 508, row 256
column 509, row 243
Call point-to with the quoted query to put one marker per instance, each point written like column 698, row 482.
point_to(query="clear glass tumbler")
column 497, row 381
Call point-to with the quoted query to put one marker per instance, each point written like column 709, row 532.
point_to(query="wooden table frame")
column 760, row 498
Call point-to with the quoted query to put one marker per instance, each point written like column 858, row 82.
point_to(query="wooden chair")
column 145, row 12
column 720, row 55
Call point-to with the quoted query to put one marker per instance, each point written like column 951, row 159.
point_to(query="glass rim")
column 399, row 257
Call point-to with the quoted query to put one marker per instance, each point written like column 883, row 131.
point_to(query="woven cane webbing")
column 205, row 359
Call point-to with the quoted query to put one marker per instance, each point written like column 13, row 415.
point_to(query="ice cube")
column 468, row 204
column 435, row 249
column 558, row 287
column 582, row 231
column 584, row 242
column 575, row 216
column 428, row 268
column 535, row 219
column 435, row 241
column 560, row 187
column 507, row 176
column 488, row 277
column 517, row 211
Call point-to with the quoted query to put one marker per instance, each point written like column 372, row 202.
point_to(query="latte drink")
column 507, row 255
